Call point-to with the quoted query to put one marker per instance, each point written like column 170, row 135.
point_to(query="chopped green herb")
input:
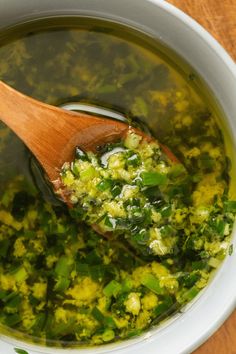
column 152, row 283
column 153, row 178
column 112, row 289
column 20, row 351
column 231, row 249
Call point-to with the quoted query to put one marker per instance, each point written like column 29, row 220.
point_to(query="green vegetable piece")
column 74, row 169
column 116, row 190
column 230, row 206
column 133, row 160
column 152, row 283
column 64, row 328
column 88, row 174
column 126, row 285
column 106, row 321
column 14, row 303
column 163, row 307
column 110, row 222
column 218, row 226
column 108, row 335
column 4, row 246
column 104, row 185
column 134, row 333
column 190, row 279
column 64, row 266
column 109, row 322
column 207, row 161
column 20, row 274
column 62, row 284
column 199, row 264
column 9, row 296
column 231, row 249
column 97, row 314
column 166, row 211
column 191, row 293
column 20, row 351
column 112, row 288
column 12, row 320
column 153, row 178
column 214, row 262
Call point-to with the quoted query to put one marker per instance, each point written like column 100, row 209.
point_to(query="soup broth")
column 61, row 283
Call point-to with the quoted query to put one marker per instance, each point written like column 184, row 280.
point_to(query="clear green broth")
column 60, row 282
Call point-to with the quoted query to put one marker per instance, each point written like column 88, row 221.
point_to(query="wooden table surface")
column 219, row 18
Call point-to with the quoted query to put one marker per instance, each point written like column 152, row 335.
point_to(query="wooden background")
column 219, row 18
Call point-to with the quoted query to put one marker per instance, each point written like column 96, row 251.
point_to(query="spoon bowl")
column 52, row 133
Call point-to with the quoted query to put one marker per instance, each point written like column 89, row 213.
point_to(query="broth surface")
column 61, row 283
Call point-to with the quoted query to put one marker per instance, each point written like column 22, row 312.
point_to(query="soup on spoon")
column 132, row 168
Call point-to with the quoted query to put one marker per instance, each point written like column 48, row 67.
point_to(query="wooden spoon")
column 52, row 133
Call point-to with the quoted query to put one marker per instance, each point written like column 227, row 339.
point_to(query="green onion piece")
column 191, row 293
column 207, row 161
column 109, row 322
column 230, row 206
column 39, row 322
column 112, row 288
column 20, row 351
column 199, row 264
column 62, row 284
column 214, row 262
column 116, row 190
column 134, row 333
column 108, row 335
column 88, row 174
column 152, row 283
column 4, row 246
column 126, row 286
column 63, row 266
column 166, row 211
column 9, row 296
column 110, row 222
column 20, row 274
column 231, row 249
column 12, row 320
column 97, row 314
column 14, row 303
column 153, row 178
column 218, row 226
column 74, row 169
column 106, row 321
column 104, row 185
column 64, row 328
column 163, row 307
column 133, row 160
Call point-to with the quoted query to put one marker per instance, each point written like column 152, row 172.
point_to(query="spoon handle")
column 31, row 121
column 52, row 133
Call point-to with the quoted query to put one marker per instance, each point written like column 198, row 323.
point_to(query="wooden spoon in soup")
column 68, row 145
column 52, row 133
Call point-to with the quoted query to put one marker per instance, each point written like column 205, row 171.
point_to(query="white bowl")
column 186, row 331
